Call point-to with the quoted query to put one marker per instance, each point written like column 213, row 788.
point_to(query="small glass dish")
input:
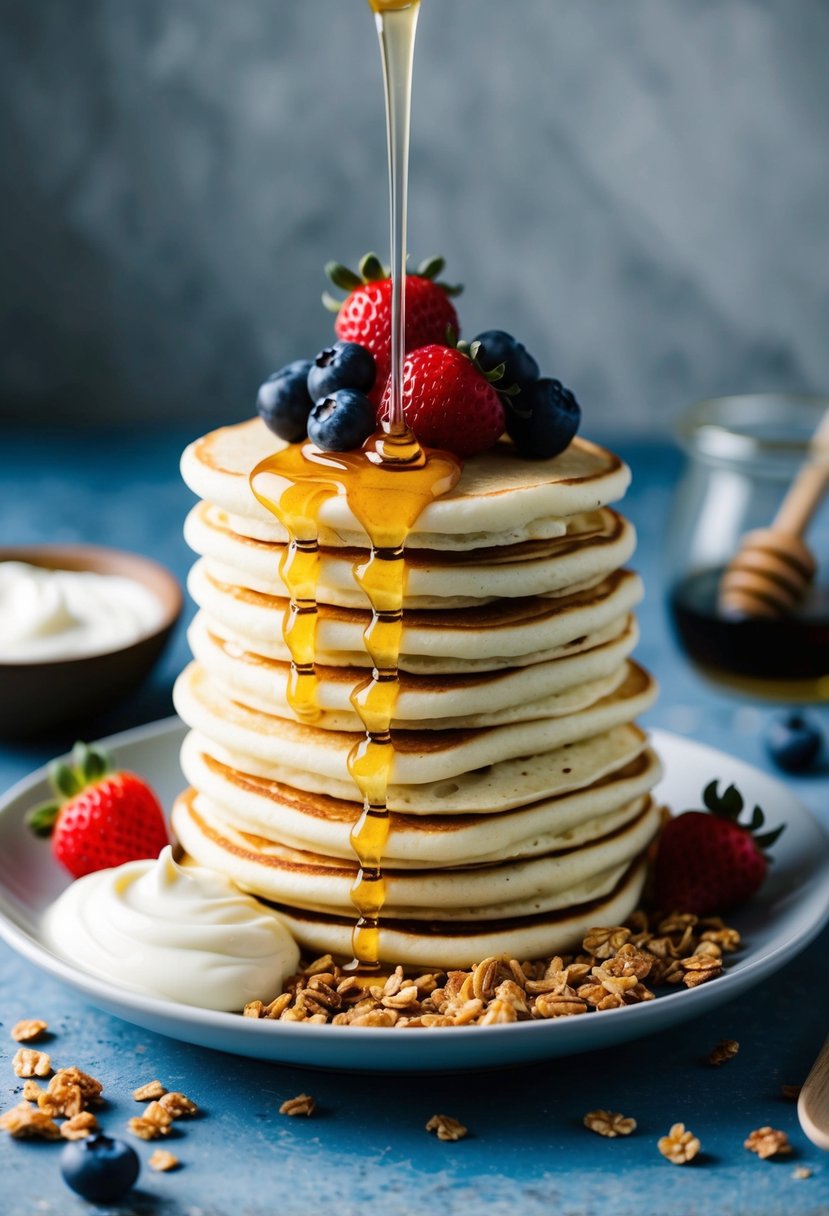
column 38, row 695
column 742, row 454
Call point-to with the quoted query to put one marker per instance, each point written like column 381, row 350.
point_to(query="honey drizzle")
column 387, row 484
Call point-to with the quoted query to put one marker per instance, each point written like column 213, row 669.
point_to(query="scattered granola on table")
column 28, row 1030
column 609, row 1123
column 618, row 965
column 768, row 1142
column 801, row 1171
column 146, row 1093
column 154, row 1122
column 25, row 1121
column 29, row 1062
column 79, row 1126
column 162, row 1160
column 726, row 1049
column 302, row 1104
column 680, row 1145
column 446, row 1128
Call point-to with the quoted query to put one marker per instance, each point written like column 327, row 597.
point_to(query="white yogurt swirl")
column 181, row 932
column 48, row 615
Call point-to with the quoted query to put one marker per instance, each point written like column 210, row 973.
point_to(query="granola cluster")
column 610, row 971
column 72, row 1094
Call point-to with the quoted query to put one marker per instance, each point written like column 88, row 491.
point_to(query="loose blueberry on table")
column 794, row 741
column 99, row 1168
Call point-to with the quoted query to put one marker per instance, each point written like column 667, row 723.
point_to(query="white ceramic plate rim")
column 458, row 1047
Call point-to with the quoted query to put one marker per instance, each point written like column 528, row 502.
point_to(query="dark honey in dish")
column 782, row 658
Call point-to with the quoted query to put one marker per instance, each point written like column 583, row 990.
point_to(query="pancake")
column 551, row 689
column 321, row 823
column 506, row 633
column 419, row 756
column 514, row 887
column 599, row 543
column 498, row 500
column 431, row 945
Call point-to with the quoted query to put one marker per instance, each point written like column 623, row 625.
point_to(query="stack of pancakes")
column 520, row 788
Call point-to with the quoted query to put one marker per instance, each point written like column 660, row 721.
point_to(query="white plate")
column 790, row 910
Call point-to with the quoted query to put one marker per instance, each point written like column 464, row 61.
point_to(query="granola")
column 609, row 1123
column 155, row 1122
column 29, row 1062
column 28, row 1030
column 162, row 1160
column 302, row 1104
column 680, row 1145
column 146, row 1093
column 446, row 1128
column 768, row 1142
column 726, row 1049
column 79, row 1126
column 617, row 965
column 25, row 1121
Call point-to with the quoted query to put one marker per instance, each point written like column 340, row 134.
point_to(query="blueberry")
column 99, row 1168
column 343, row 365
column 499, row 347
column 794, row 741
column 553, row 419
column 283, row 402
column 342, row 421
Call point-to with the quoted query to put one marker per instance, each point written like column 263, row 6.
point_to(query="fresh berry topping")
column 283, row 402
column 707, row 863
column 100, row 818
column 794, row 741
column 342, row 421
column 543, row 419
column 448, row 401
column 343, row 365
column 364, row 316
column 100, row 1169
column 498, row 347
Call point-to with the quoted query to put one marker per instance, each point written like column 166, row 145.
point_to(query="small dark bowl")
column 38, row 696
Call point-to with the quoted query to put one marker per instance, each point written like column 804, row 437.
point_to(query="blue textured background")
column 638, row 189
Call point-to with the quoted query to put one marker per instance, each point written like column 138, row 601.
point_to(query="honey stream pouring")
column 387, row 484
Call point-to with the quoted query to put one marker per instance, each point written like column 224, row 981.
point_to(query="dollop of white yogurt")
column 48, row 615
column 181, row 932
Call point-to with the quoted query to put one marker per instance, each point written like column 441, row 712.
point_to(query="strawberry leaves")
column 730, row 806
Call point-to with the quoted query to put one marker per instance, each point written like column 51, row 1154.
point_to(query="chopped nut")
column 145, row 1093
column 178, row 1105
column 679, row 1146
column 25, row 1121
column 79, row 1126
column 31, row 1091
column 253, row 1009
column 604, row 943
column 609, row 1123
column 446, row 1128
column 302, row 1104
column 768, row 1142
column 155, row 1122
column 28, row 1030
column 726, row 1049
column 162, row 1160
column 69, row 1092
column 29, row 1062
column 699, row 968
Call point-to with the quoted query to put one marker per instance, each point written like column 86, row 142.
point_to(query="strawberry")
column 707, row 861
column 448, row 401
column 101, row 818
column 364, row 316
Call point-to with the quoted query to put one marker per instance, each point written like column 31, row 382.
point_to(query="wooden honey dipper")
column 772, row 571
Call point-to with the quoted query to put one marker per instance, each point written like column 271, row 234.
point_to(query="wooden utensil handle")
column 813, row 1103
column 808, row 487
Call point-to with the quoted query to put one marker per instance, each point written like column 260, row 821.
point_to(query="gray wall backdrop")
column 637, row 188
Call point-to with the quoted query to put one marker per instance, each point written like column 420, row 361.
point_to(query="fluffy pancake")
column 419, row 756
column 506, row 633
column 498, row 500
column 321, row 823
column 598, row 543
column 551, row 689
column 513, row 887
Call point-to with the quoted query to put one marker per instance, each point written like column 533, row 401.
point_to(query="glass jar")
column 742, row 455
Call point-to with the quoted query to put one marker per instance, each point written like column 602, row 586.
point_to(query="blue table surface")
column 527, row 1151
